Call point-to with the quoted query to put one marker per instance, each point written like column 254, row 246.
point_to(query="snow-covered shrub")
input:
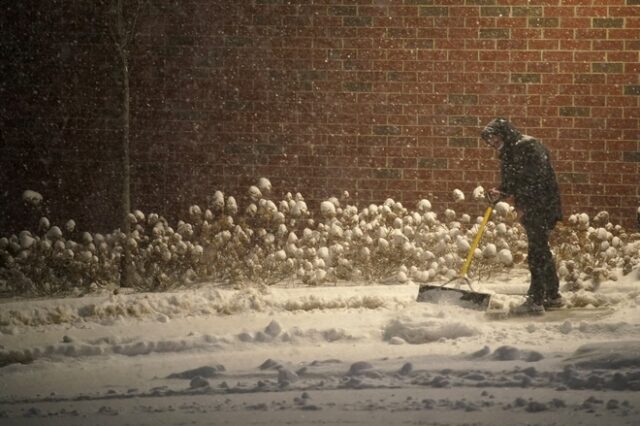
column 588, row 250
column 47, row 262
column 270, row 241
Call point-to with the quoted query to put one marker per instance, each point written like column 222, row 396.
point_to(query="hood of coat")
column 505, row 130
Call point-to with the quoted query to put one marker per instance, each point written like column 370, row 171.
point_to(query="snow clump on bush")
column 32, row 197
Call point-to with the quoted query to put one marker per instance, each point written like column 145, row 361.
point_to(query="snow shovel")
column 441, row 293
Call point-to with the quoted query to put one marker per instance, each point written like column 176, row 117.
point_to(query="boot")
column 554, row 302
column 529, row 308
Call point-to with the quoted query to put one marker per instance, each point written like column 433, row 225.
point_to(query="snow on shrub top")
column 458, row 195
column 32, row 197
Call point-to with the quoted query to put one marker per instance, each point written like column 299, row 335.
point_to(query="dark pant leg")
column 544, row 279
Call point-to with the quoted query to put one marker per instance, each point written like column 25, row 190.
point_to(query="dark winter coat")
column 527, row 175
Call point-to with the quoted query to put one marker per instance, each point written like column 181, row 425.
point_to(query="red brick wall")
column 379, row 98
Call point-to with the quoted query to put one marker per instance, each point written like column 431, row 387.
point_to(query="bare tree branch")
column 132, row 28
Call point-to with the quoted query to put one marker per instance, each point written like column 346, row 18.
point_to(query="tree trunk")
column 125, row 260
column 126, row 176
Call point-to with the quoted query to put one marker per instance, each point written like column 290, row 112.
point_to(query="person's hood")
column 503, row 128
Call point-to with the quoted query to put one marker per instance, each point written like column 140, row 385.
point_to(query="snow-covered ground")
column 347, row 354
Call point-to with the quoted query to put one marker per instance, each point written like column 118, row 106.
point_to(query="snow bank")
column 202, row 302
column 398, row 331
column 272, row 334
column 608, row 355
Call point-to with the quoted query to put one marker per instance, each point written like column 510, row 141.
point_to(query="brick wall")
column 382, row 98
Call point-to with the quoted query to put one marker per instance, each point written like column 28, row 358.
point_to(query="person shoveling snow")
column 528, row 177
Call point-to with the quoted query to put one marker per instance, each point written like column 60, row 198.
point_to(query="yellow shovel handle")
column 476, row 241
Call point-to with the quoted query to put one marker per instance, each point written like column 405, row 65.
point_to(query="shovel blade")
column 453, row 296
